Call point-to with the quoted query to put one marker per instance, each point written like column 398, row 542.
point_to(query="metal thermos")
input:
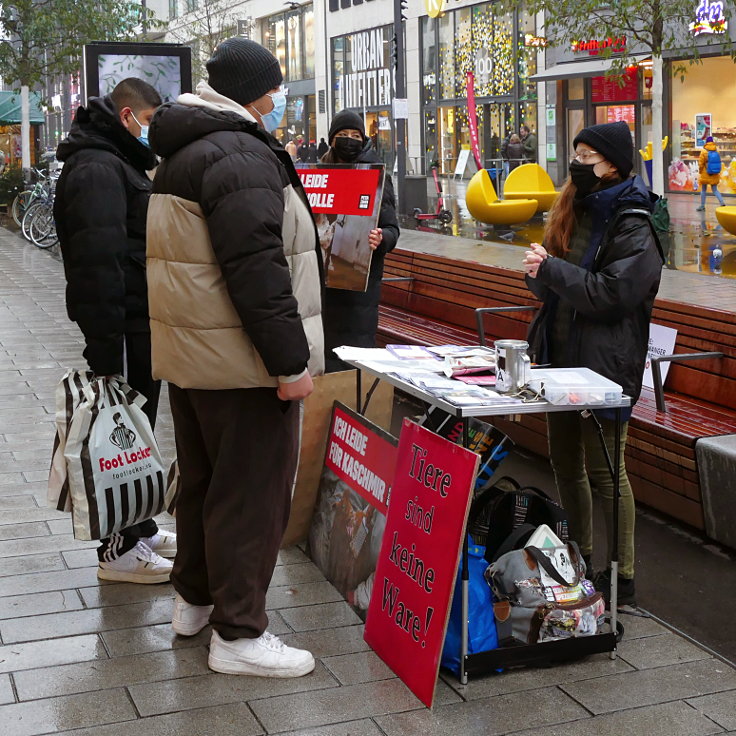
column 512, row 365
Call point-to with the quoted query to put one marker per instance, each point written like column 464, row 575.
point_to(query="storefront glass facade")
column 362, row 81
column 289, row 36
column 596, row 100
column 702, row 105
column 499, row 49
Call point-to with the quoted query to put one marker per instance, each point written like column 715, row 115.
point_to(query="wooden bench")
column 438, row 306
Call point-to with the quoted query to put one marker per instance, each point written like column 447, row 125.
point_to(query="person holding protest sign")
column 235, row 294
column 351, row 317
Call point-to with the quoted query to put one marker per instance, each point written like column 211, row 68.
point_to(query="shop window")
column 294, row 31
column 447, row 56
column 465, row 58
column 276, row 40
column 705, row 95
column 645, row 72
column 429, row 60
column 527, row 56
column 576, row 89
column 575, row 123
column 616, row 88
column 173, row 9
column 309, row 50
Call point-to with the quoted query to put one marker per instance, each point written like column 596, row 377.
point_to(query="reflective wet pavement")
column 699, row 243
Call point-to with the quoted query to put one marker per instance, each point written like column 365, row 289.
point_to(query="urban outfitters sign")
column 367, row 78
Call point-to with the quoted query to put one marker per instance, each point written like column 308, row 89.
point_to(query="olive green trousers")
column 580, row 471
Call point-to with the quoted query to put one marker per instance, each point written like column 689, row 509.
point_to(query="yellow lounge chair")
column 726, row 216
column 484, row 205
column 531, row 181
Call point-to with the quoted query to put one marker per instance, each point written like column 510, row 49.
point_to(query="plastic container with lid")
column 570, row 386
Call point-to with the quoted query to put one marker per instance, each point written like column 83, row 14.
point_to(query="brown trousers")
column 237, row 453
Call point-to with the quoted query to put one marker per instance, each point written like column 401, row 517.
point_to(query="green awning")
column 10, row 108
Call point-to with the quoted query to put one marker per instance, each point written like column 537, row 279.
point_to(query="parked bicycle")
column 37, row 221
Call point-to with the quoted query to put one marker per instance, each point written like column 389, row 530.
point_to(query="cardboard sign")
column 661, row 342
column 350, row 517
column 346, row 202
column 415, row 575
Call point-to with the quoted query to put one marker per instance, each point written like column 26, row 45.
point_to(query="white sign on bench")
column 661, row 342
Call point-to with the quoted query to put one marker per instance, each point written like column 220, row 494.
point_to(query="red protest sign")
column 342, row 191
column 360, row 454
column 350, row 514
column 415, row 575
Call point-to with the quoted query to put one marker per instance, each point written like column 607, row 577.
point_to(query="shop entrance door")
column 378, row 129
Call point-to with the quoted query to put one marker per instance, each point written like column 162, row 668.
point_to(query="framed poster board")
column 703, row 128
column 165, row 66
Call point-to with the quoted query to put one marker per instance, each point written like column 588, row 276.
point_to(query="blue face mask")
column 143, row 137
column 272, row 120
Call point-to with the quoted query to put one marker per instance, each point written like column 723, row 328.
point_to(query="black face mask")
column 348, row 149
column 583, row 177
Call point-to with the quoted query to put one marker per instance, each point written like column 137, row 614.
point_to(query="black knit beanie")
column 611, row 140
column 243, row 70
column 346, row 120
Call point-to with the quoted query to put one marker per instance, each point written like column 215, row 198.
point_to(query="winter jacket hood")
column 98, row 126
column 229, row 231
column 193, row 116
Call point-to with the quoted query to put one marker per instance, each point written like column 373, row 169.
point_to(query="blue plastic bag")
column 482, row 627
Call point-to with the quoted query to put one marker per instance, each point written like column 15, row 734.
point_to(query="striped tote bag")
column 115, row 472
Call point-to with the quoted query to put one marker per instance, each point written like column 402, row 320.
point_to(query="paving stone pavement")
column 82, row 657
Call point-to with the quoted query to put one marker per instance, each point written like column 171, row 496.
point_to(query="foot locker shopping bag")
column 115, row 473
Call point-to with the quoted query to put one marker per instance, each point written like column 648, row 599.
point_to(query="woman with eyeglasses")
column 597, row 275
column 351, row 317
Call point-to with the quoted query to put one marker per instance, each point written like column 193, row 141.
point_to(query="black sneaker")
column 626, row 591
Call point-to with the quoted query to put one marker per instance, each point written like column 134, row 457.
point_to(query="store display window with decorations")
column 702, row 106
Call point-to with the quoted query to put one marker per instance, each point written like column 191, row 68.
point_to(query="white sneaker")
column 162, row 543
column 189, row 619
column 266, row 656
column 138, row 565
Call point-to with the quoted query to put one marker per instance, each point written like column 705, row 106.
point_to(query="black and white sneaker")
column 138, row 565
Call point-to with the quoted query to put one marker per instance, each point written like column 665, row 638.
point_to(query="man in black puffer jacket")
column 100, row 209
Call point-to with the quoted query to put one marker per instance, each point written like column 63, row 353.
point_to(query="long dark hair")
column 561, row 218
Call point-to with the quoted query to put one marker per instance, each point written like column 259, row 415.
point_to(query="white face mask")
column 143, row 137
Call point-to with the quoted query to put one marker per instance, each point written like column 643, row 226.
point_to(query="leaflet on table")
column 472, row 396
column 411, row 352
column 469, row 365
column 477, row 380
column 460, row 350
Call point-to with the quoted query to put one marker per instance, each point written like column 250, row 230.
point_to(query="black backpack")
column 504, row 515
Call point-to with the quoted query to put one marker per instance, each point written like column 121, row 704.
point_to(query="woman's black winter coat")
column 611, row 293
column 100, row 209
column 351, row 317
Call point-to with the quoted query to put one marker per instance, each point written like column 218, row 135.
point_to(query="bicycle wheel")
column 28, row 219
column 42, row 228
column 19, row 206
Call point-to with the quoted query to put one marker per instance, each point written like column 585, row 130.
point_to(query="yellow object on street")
column 531, row 181
column 484, row 205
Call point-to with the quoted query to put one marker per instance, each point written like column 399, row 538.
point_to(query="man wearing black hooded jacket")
column 100, row 209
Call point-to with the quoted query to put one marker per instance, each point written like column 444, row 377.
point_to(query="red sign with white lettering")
column 415, row 575
column 361, row 457
column 342, row 191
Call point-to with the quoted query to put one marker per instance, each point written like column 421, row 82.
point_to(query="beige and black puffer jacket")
column 234, row 274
